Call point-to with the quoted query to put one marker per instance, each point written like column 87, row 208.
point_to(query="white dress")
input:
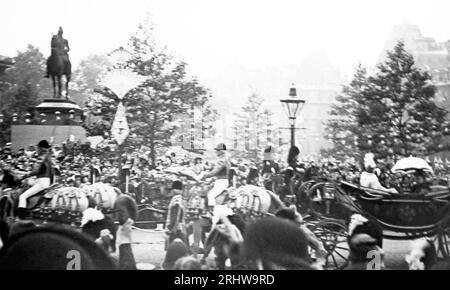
column 371, row 180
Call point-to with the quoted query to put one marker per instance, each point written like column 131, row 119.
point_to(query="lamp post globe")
column 292, row 106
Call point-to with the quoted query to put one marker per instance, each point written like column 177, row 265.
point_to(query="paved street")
column 149, row 248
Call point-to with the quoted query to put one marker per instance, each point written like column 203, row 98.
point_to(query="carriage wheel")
column 443, row 240
column 333, row 235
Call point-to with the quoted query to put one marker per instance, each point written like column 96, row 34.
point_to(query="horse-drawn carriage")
column 65, row 204
column 401, row 216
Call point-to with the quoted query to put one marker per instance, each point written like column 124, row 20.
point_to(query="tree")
column 342, row 128
column 153, row 107
column 392, row 112
column 23, row 87
column 253, row 129
column 85, row 79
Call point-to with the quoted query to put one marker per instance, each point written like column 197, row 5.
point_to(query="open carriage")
column 401, row 216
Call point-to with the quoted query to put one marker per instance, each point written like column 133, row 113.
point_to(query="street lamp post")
column 292, row 105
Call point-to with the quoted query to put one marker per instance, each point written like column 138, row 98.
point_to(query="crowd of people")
column 277, row 242
column 75, row 164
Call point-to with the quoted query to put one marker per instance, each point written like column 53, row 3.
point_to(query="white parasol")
column 411, row 163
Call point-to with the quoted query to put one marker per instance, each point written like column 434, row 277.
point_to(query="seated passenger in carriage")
column 420, row 184
column 369, row 178
column 416, row 182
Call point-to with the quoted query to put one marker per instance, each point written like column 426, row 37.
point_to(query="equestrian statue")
column 58, row 64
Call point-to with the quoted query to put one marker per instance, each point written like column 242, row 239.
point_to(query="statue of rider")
column 60, row 46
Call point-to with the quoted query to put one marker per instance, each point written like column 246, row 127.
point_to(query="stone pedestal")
column 69, row 111
column 56, row 119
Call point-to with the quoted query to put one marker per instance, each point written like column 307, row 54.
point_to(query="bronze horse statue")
column 58, row 64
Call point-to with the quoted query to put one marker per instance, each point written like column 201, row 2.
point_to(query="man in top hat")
column 221, row 172
column 43, row 172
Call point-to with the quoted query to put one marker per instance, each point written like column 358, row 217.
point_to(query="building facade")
column 429, row 55
column 318, row 82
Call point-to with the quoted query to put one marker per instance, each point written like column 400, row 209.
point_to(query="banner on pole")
column 120, row 128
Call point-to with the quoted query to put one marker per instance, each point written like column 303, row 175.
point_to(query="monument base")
column 23, row 136
column 54, row 119
column 61, row 105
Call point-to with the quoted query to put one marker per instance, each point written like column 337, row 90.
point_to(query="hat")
column 369, row 161
column 177, row 249
column 276, row 240
column 44, row 144
column 220, row 146
column 51, row 248
column 177, row 185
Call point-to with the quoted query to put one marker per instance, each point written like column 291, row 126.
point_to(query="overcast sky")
column 210, row 35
